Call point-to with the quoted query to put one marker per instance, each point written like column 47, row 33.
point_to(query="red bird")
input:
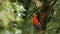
column 35, row 20
column 36, row 23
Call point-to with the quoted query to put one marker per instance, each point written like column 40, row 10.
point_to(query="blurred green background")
column 13, row 22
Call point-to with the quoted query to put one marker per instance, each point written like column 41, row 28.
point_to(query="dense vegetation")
column 16, row 16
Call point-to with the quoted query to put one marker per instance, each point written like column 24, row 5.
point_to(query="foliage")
column 12, row 21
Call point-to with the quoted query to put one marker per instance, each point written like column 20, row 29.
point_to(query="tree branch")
column 48, row 10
